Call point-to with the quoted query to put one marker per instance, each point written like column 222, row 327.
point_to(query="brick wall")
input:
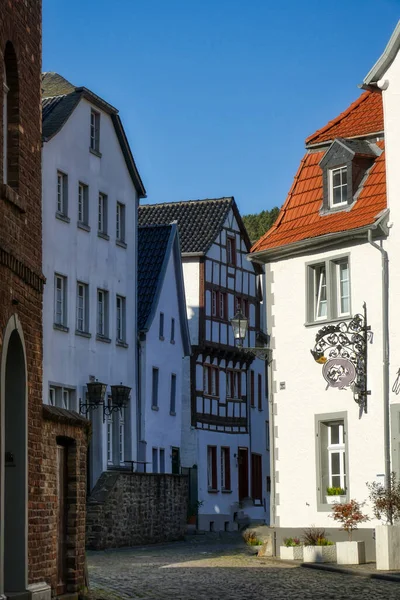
column 127, row 509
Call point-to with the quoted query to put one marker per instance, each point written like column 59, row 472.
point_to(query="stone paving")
column 212, row 571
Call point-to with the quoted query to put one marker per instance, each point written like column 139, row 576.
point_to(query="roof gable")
column 386, row 59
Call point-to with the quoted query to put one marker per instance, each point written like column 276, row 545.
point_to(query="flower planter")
column 387, row 545
column 319, row 554
column 350, row 553
column 291, row 552
column 333, row 499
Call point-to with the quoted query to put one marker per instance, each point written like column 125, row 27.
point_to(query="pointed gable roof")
column 59, row 100
column 300, row 220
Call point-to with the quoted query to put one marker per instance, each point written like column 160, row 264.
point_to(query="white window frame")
column 102, row 225
column 95, row 130
column 337, row 448
column 120, row 222
column 82, row 306
column 120, row 319
column 336, row 289
column 60, row 300
column 83, row 204
column 62, row 193
column 342, row 186
column 52, row 396
column 102, row 313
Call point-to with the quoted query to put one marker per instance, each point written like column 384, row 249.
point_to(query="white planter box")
column 291, row 552
column 350, row 553
column 319, row 554
column 333, row 499
column 387, row 546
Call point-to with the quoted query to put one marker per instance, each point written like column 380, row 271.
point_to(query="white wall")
column 191, row 274
column 70, row 359
column 161, row 429
column 305, row 393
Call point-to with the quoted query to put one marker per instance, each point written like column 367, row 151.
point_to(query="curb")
column 354, row 572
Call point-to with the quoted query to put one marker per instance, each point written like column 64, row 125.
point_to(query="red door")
column 62, row 519
column 243, row 472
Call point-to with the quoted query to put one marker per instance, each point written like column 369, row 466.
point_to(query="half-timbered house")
column 225, row 425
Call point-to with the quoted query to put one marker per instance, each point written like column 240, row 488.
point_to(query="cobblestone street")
column 210, row 571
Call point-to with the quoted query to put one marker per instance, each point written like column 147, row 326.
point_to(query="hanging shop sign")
column 341, row 349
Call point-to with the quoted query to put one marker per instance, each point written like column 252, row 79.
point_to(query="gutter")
column 386, row 359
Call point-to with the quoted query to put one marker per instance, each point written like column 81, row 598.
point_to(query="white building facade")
column 323, row 262
column 164, row 341
column 91, row 189
column 225, row 424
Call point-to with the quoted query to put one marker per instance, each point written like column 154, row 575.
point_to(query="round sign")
column 339, row 372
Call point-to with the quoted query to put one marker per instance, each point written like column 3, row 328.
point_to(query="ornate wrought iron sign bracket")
column 342, row 350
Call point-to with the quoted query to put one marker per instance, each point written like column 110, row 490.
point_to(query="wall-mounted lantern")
column 240, row 325
column 119, row 399
column 95, row 395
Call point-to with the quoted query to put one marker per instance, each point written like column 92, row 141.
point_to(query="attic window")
column 338, row 186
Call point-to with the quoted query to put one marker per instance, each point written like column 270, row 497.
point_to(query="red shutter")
column 259, row 392
column 252, row 388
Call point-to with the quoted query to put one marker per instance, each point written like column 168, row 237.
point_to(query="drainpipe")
column 385, row 343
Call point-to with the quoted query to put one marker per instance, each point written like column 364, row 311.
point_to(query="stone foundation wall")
column 128, row 509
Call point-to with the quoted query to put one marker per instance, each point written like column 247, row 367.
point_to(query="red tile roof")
column 299, row 218
column 362, row 117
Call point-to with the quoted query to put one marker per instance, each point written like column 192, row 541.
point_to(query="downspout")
column 385, row 344
column 139, row 400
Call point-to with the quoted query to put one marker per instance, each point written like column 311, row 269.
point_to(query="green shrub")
column 335, row 491
column 313, row 536
column 290, row 541
column 251, row 539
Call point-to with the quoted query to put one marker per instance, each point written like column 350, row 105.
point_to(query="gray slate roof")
column 199, row 221
column 152, row 247
column 59, row 100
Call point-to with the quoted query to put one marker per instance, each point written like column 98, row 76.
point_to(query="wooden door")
column 62, row 490
column 243, row 472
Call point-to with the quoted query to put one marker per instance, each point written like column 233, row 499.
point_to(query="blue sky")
column 217, row 96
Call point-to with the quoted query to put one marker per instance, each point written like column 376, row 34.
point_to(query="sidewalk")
column 367, row 570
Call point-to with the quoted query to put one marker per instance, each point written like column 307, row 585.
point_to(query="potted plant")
column 317, row 548
column 386, row 507
column 292, row 549
column 349, row 515
column 335, row 494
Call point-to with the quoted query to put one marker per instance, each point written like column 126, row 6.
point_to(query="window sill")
column 83, row 226
column 226, row 491
column 121, row 344
column 155, row 408
column 62, row 217
column 11, row 196
column 84, row 334
column 121, row 244
column 172, row 413
column 212, row 491
column 95, row 152
column 103, row 235
column 260, row 409
column 327, row 321
column 60, row 327
column 103, row 338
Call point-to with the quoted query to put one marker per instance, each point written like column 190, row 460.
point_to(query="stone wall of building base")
column 128, row 509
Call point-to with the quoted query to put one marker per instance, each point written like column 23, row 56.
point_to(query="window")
column 230, row 250
column 121, row 318
column 256, row 478
column 102, row 214
column 95, row 130
column 252, row 400
column 225, row 469
column 212, row 478
column 267, row 436
column 121, row 436
column 161, row 326
column 155, row 460
column 338, row 186
column 214, row 303
column 63, row 397
column 102, row 313
column 222, row 305
column 83, row 204
column 60, row 300
column 110, row 428
column 62, row 194
column 162, row 460
column 172, row 340
column 172, row 404
column 52, row 396
column 331, row 453
column 242, row 304
column 211, row 380
column 120, row 222
column 82, row 308
column 154, row 388
column 219, row 304
column 234, row 384
column 328, row 290
column 259, row 391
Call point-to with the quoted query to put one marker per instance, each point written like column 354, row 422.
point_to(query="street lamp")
column 119, row 399
column 95, row 395
column 239, row 325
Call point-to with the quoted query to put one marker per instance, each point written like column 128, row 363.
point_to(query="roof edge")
column 386, row 58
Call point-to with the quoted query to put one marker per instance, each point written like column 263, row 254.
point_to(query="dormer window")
column 338, row 186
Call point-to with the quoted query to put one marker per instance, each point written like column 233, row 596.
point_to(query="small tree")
column 385, row 501
column 349, row 515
